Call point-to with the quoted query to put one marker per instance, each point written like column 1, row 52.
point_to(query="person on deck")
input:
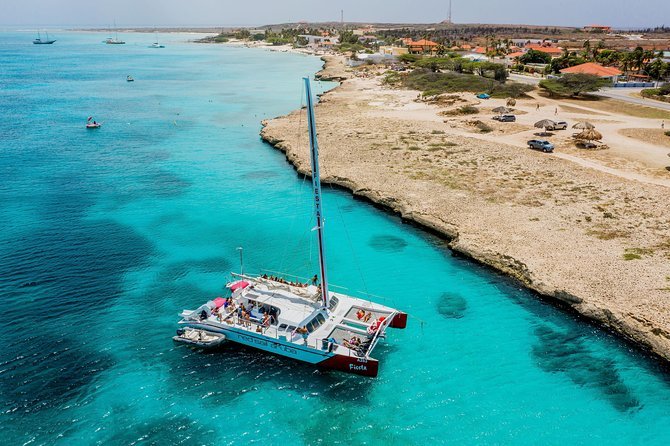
column 304, row 333
column 266, row 320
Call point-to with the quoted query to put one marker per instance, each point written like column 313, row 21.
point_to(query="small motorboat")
column 129, row 79
column 156, row 45
column 199, row 338
column 91, row 124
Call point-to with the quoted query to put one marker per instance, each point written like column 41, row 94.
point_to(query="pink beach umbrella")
column 219, row 301
column 240, row 284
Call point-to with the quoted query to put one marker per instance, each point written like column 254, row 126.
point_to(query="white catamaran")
column 302, row 321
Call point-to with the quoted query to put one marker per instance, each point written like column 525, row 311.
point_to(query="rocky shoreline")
column 575, row 256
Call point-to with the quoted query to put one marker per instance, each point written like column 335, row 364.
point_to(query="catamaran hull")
column 324, row 359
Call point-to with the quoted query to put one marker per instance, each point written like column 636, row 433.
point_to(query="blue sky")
column 225, row 12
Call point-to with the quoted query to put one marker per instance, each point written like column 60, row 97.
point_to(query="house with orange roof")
column 595, row 69
column 422, row 46
column 553, row 51
column 512, row 58
column 597, row 28
column 479, row 50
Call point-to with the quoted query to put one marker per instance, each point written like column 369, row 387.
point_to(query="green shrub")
column 462, row 110
column 667, row 133
column 409, row 58
column 392, row 78
column 431, row 83
column 650, row 92
column 573, row 84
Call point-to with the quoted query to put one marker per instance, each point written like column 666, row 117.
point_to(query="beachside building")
column 393, row 50
column 319, row 41
column 597, row 29
column 524, row 42
column 422, row 46
column 512, row 58
column 610, row 73
column 474, row 57
column 553, row 51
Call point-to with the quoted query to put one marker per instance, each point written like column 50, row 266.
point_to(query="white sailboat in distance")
column 305, row 322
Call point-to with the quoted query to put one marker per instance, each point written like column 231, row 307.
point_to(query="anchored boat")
column 199, row 338
column 40, row 41
column 303, row 321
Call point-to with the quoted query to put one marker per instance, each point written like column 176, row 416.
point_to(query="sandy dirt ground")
column 590, row 228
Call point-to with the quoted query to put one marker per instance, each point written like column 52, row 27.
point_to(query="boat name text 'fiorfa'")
column 254, row 340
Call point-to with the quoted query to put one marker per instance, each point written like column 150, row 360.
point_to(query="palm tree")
column 587, row 49
column 637, row 58
column 626, row 62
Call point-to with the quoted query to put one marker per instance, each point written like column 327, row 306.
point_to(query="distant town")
column 639, row 57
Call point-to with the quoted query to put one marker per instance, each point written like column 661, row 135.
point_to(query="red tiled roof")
column 422, row 42
column 546, row 49
column 479, row 50
column 593, row 68
column 516, row 54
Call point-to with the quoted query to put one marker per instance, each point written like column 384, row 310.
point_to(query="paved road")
column 623, row 94
column 525, row 79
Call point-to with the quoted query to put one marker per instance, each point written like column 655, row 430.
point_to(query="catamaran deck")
column 341, row 328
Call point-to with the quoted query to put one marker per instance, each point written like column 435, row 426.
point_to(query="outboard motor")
column 180, row 332
column 203, row 315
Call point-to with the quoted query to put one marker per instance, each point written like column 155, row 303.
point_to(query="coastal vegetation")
column 535, row 56
column 459, row 64
column 432, row 83
column 462, row 110
column 660, row 94
column 573, row 84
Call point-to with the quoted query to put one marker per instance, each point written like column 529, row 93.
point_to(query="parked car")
column 540, row 144
column 505, row 118
column 560, row 125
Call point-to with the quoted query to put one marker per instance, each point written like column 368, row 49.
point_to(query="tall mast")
column 316, row 186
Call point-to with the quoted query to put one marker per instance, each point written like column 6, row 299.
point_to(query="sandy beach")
column 587, row 228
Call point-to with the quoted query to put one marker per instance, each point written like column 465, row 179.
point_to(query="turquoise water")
column 108, row 234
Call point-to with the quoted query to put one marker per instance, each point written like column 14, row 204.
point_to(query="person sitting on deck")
column 367, row 316
column 315, row 279
column 246, row 319
column 360, row 314
column 352, row 343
